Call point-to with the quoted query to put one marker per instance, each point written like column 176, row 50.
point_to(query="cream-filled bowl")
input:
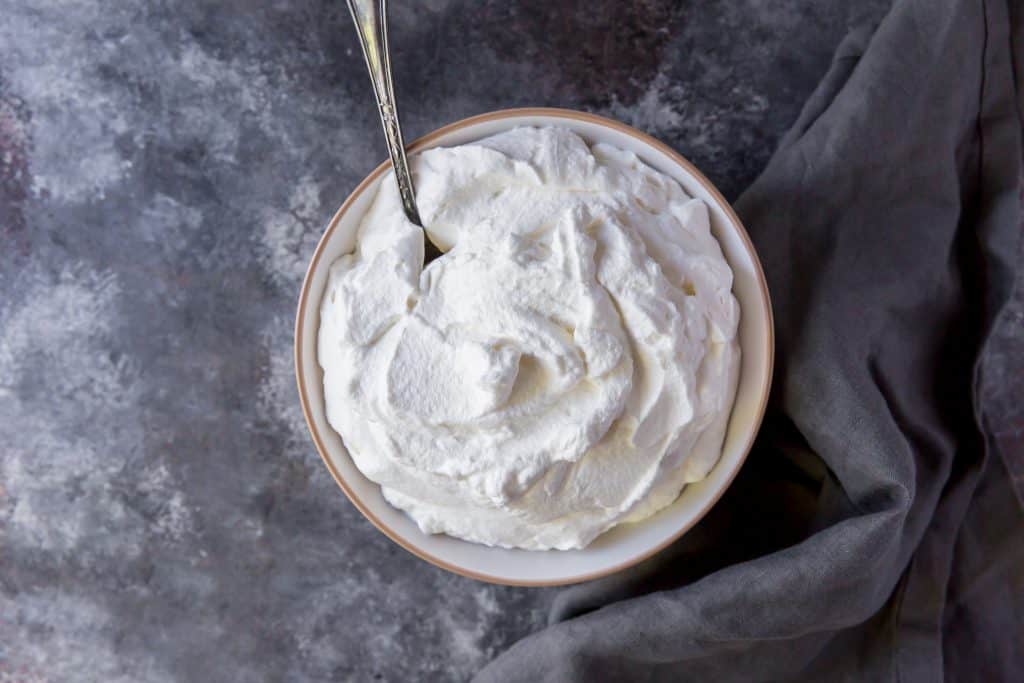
column 627, row 543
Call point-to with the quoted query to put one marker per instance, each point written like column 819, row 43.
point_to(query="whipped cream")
column 568, row 364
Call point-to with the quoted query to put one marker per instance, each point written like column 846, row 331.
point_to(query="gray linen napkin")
column 874, row 533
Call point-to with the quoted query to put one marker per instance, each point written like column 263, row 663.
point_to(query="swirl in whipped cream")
column 568, row 364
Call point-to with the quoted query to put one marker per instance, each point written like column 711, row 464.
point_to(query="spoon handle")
column 370, row 17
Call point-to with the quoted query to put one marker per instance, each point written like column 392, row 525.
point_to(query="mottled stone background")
column 166, row 168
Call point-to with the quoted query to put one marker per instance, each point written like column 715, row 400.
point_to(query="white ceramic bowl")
column 626, row 544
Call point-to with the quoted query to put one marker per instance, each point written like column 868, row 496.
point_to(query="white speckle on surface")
column 167, row 223
column 660, row 109
column 290, row 236
column 222, row 90
column 278, row 394
column 79, row 644
column 324, row 627
column 75, row 116
column 63, row 318
column 486, row 601
column 74, row 432
column 57, row 480
column 173, row 519
column 704, row 128
column 465, row 636
column 314, row 624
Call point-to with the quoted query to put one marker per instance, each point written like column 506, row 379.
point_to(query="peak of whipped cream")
column 569, row 362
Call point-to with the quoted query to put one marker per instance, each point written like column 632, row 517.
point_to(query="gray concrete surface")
column 165, row 171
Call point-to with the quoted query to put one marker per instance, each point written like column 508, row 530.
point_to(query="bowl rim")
column 424, row 142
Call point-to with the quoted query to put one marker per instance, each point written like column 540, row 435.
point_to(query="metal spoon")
column 370, row 17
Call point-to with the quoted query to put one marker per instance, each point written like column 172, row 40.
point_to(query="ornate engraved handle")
column 370, row 18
